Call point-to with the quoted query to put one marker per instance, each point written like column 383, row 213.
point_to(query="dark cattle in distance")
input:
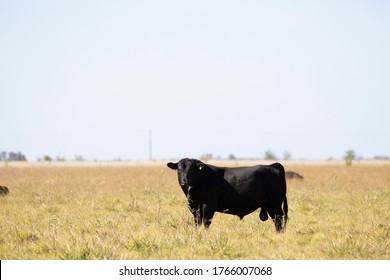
column 3, row 190
column 233, row 190
column 293, row 175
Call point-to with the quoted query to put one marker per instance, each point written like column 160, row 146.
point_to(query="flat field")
column 138, row 211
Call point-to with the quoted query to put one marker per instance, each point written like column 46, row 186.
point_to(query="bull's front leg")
column 198, row 215
column 197, row 212
column 208, row 214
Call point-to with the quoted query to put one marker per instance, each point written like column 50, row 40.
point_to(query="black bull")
column 233, row 190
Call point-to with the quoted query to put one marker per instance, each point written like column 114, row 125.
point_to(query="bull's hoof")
column 281, row 230
column 280, row 224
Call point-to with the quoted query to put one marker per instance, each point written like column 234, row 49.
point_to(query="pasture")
column 138, row 211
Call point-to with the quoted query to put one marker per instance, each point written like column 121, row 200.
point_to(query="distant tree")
column 381, row 157
column 60, row 158
column 349, row 156
column 3, row 156
column 47, row 158
column 78, row 158
column 269, row 155
column 12, row 156
column 232, row 157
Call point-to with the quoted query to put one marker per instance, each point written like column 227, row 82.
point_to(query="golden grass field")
column 138, row 211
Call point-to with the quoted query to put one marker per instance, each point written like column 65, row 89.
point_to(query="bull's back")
column 254, row 178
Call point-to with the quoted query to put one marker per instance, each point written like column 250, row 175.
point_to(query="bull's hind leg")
column 277, row 216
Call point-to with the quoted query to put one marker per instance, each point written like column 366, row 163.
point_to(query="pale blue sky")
column 222, row 77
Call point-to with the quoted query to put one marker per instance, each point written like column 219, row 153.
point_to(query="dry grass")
column 134, row 211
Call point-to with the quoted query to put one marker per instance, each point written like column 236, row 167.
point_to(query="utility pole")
column 150, row 145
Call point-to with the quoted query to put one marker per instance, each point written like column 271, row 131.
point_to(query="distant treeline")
column 12, row 156
column 268, row 155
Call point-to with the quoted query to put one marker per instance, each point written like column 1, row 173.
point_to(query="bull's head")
column 188, row 171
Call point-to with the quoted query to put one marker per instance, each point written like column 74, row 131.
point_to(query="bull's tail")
column 285, row 204
column 285, row 210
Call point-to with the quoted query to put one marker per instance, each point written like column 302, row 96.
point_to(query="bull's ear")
column 172, row 165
